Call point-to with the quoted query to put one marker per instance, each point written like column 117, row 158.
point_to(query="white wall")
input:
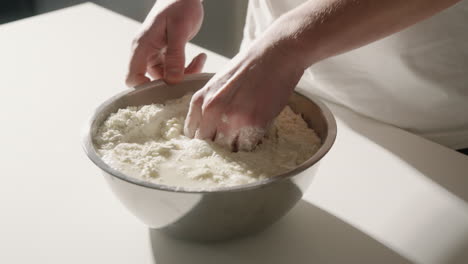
column 135, row 9
column 221, row 30
column 223, row 25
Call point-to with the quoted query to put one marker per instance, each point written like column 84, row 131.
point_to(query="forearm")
column 319, row 29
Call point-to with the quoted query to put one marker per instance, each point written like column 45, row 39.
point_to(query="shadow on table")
column 453, row 179
column 307, row 234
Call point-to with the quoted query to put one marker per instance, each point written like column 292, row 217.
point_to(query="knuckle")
column 197, row 99
column 173, row 53
column 141, row 39
column 137, row 42
column 129, row 81
column 174, row 61
column 178, row 22
column 210, row 105
column 138, row 39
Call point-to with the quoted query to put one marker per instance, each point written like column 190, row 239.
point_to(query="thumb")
column 175, row 57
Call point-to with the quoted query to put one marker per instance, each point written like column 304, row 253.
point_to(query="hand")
column 238, row 104
column 159, row 49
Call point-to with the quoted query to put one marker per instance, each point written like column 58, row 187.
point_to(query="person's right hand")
column 159, row 48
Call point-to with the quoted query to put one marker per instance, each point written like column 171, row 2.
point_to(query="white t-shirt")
column 416, row 79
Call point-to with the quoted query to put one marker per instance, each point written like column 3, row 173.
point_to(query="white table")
column 382, row 195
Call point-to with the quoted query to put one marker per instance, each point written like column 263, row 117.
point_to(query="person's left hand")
column 238, row 104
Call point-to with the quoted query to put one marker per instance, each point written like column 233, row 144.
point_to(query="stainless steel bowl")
column 209, row 215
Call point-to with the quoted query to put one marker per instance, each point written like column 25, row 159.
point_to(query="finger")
column 225, row 135
column 206, row 130
column 207, row 127
column 156, row 72
column 137, row 66
column 249, row 137
column 175, row 54
column 193, row 117
column 197, row 64
column 156, row 66
column 226, row 141
column 248, row 131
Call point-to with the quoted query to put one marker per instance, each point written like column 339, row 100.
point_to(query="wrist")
column 274, row 55
column 278, row 44
column 291, row 36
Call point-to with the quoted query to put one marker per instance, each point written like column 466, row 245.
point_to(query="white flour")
column 147, row 142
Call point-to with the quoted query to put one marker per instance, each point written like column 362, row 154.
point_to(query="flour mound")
column 147, row 142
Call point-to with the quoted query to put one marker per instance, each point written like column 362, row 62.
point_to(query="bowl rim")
column 90, row 150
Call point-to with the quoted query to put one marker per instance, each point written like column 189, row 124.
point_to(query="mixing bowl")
column 216, row 214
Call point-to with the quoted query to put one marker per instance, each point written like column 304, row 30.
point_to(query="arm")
column 248, row 94
column 323, row 28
